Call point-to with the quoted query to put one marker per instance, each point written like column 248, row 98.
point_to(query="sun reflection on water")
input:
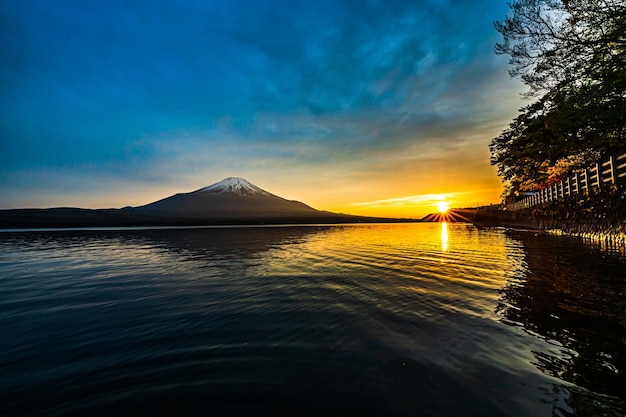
column 444, row 236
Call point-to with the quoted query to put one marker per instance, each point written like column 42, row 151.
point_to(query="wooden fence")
column 595, row 176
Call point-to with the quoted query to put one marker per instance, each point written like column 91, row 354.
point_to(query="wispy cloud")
column 417, row 200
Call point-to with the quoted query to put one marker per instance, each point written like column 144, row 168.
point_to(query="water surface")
column 390, row 320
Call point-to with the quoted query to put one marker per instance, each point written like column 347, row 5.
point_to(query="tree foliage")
column 572, row 56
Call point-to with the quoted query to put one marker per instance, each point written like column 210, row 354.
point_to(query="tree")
column 564, row 44
column 572, row 56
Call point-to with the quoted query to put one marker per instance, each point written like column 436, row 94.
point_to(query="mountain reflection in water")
column 389, row 320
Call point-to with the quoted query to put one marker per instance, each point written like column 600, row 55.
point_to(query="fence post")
column 569, row 187
column 599, row 174
column 552, row 192
column 549, row 194
column 613, row 169
column 562, row 187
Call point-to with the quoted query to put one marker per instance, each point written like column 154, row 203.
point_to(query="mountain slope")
column 232, row 198
column 231, row 201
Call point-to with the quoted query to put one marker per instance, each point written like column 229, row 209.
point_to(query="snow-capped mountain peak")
column 233, row 185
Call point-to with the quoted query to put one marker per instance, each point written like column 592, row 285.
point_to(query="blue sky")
column 337, row 104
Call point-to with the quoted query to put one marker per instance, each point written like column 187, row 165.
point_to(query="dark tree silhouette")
column 572, row 56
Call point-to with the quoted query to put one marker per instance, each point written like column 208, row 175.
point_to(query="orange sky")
column 403, row 183
column 364, row 109
column 406, row 182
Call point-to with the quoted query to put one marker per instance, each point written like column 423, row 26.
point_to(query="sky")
column 363, row 107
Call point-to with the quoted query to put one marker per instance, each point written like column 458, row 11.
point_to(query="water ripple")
column 394, row 320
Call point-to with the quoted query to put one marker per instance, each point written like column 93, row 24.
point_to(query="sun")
column 443, row 206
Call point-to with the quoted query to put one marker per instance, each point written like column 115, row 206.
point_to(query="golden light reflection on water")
column 452, row 263
column 445, row 252
column 444, row 236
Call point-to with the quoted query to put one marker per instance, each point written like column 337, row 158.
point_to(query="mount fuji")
column 230, row 199
column 229, row 202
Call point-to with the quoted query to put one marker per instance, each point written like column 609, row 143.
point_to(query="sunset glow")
column 129, row 114
column 443, row 207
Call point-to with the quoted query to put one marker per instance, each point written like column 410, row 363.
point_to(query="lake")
column 423, row 319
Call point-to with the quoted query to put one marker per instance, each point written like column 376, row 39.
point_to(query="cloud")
column 159, row 91
column 417, row 200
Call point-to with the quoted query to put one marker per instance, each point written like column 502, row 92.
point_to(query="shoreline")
column 599, row 216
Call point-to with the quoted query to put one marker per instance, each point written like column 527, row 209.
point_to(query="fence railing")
column 595, row 176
